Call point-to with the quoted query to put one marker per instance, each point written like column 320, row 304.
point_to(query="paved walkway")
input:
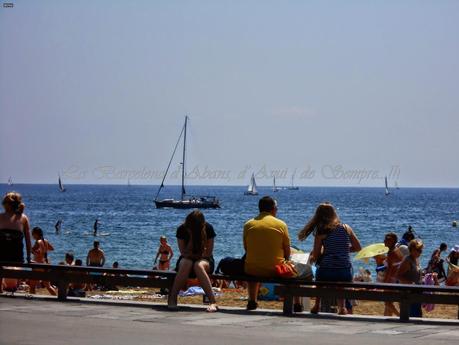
column 39, row 321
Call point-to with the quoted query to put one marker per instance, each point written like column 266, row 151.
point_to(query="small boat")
column 61, row 185
column 10, row 181
column 386, row 191
column 396, row 185
column 252, row 188
column 185, row 200
column 129, row 183
column 293, row 187
column 275, row 189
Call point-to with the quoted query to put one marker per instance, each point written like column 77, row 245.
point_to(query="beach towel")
column 192, row 291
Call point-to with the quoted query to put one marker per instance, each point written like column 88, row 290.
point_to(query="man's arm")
column 103, row 258
column 286, row 244
column 244, row 239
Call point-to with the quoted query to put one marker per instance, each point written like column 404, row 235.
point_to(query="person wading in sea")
column 96, row 256
column 95, row 227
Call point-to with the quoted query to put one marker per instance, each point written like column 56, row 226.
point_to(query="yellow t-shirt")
column 265, row 238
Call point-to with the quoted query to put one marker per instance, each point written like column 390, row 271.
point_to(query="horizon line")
column 234, row 185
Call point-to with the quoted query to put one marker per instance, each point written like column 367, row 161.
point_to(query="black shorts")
column 210, row 260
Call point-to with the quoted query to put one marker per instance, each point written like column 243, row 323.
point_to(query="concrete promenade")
column 45, row 321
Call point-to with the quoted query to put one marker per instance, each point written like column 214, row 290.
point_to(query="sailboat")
column 129, row 183
column 252, row 188
column 185, row 200
column 396, row 185
column 275, row 189
column 386, row 192
column 61, row 185
column 10, row 181
column 293, row 187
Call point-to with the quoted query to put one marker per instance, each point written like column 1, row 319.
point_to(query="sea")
column 130, row 225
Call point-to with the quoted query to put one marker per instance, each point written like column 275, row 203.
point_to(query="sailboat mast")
column 183, row 158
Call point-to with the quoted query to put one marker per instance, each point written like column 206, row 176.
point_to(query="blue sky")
column 98, row 90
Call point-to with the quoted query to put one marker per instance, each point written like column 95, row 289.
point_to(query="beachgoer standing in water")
column 195, row 239
column 95, row 227
column 333, row 243
column 164, row 254
column 96, row 256
column 58, row 226
column 40, row 251
column 14, row 228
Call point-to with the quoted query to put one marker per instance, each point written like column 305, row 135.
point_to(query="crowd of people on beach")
column 267, row 245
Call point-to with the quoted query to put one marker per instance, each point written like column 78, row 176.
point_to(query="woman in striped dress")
column 333, row 243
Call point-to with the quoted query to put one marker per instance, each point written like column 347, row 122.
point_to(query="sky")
column 336, row 93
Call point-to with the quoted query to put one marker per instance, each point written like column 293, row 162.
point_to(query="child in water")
column 164, row 254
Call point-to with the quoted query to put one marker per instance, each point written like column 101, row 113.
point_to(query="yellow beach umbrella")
column 371, row 251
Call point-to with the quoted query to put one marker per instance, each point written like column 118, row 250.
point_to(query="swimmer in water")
column 95, row 227
column 96, row 256
column 58, row 226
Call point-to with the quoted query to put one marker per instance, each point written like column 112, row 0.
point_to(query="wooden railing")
column 286, row 288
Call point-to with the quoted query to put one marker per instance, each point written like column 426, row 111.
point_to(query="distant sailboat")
column 252, row 189
column 185, row 200
column 386, row 192
column 396, row 185
column 129, row 183
column 293, row 187
column 10, row 181
column 61, row 185
column 275, row 189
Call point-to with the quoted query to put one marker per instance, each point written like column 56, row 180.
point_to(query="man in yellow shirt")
column 266, row 243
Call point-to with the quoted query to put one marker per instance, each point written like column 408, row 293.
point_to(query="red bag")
column 286, row 270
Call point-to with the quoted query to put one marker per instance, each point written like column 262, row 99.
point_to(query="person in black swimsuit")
column 164, row 254
column 14, row 228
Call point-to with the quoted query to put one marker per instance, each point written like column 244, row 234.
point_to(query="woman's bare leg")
column 180, row 279
column 390, row 309
column 341, row 308
column 200, row 269
column 315, row 309
column 51, row 290
column 32, row 286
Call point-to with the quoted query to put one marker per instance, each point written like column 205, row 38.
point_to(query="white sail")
column 292, row 187
column 10, row 181
column 61, row 185
column 252, row 188
column 387, row 188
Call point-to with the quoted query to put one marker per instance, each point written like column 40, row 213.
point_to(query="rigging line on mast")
column 170, row 162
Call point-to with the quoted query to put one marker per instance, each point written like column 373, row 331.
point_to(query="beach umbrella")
column 371, row 251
